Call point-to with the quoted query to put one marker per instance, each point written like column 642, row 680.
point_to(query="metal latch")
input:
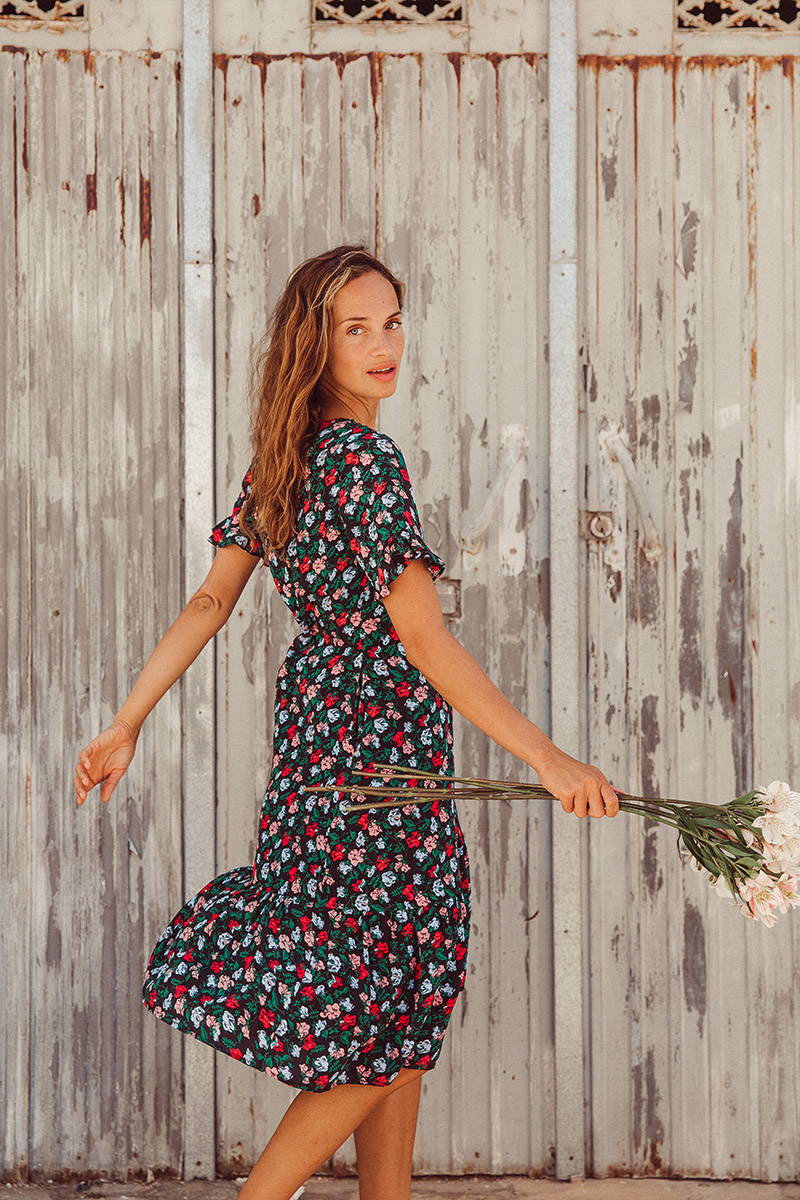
column 618, row 452
column 513, row 443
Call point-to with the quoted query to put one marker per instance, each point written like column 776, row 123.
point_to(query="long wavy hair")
column 284, row 394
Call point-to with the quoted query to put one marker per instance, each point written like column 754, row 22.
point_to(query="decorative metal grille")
column 780, row 15
column 356, row 12
column 45, row 11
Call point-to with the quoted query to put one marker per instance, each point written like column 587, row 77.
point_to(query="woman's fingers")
column 581, row 788
column 596, row 804
column 610, row 799
column 104, row 760
column 110, row 783
column 595, row 799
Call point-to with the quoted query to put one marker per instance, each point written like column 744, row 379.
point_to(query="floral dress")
column 338, row 954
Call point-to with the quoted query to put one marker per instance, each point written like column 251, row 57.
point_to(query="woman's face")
column 367, row 335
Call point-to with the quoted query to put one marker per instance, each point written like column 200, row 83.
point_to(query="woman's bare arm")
column 203, row 615
column 107, row 756
column 413, row 606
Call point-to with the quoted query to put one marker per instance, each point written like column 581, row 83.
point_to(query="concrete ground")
column 431, row 1187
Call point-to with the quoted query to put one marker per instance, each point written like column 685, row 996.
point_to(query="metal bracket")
column 513, row 443
column 618, row 452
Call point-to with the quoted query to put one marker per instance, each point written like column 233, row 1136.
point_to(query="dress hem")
column 175, row 1021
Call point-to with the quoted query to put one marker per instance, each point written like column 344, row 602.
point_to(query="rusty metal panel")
column 689, row 349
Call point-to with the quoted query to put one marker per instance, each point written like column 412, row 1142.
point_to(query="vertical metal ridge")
column 566, row 680
column 197, row 365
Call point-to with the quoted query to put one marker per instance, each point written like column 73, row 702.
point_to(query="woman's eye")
column 354, row 327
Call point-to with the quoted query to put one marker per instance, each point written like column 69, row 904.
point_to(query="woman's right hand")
column 580, row 787
column 105, row 759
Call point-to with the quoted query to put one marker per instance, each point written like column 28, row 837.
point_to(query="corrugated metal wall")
column 689, row 232
column 92, row 553
column 689, row 273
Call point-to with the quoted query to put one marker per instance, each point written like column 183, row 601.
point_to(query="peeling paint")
column 608, row 170
column 733, row 660
column 694, row 963
column 687, row 236
column 690, row 659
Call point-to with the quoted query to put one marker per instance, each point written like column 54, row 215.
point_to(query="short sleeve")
column 227, row 532
column 374, row 505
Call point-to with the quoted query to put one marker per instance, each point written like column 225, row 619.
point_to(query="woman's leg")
column 313, row 1127
column 385, row 1145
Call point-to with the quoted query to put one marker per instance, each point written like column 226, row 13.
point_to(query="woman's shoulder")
column 349, row 446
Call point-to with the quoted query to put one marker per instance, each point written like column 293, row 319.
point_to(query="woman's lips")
column 379, row 374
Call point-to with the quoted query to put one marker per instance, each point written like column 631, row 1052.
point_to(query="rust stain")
column 121, row 186
column 15, row 185
column 145, row 210
column 704, row 62
column 455, row 62
column 648, row 1128
column 343, row 58
column 376, row 86
column 89, row 62
column 543, row 589
column 91, row 181
column 259, row 60
column 256, row 204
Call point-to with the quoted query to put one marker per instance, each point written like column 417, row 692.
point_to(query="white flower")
column 761, row 897
column 777, row 826
column 789, row 853
column 780, row 798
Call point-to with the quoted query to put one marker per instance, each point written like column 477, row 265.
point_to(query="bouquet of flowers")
column 748, row 849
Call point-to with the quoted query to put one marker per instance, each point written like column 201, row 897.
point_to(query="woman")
column 333, row 962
